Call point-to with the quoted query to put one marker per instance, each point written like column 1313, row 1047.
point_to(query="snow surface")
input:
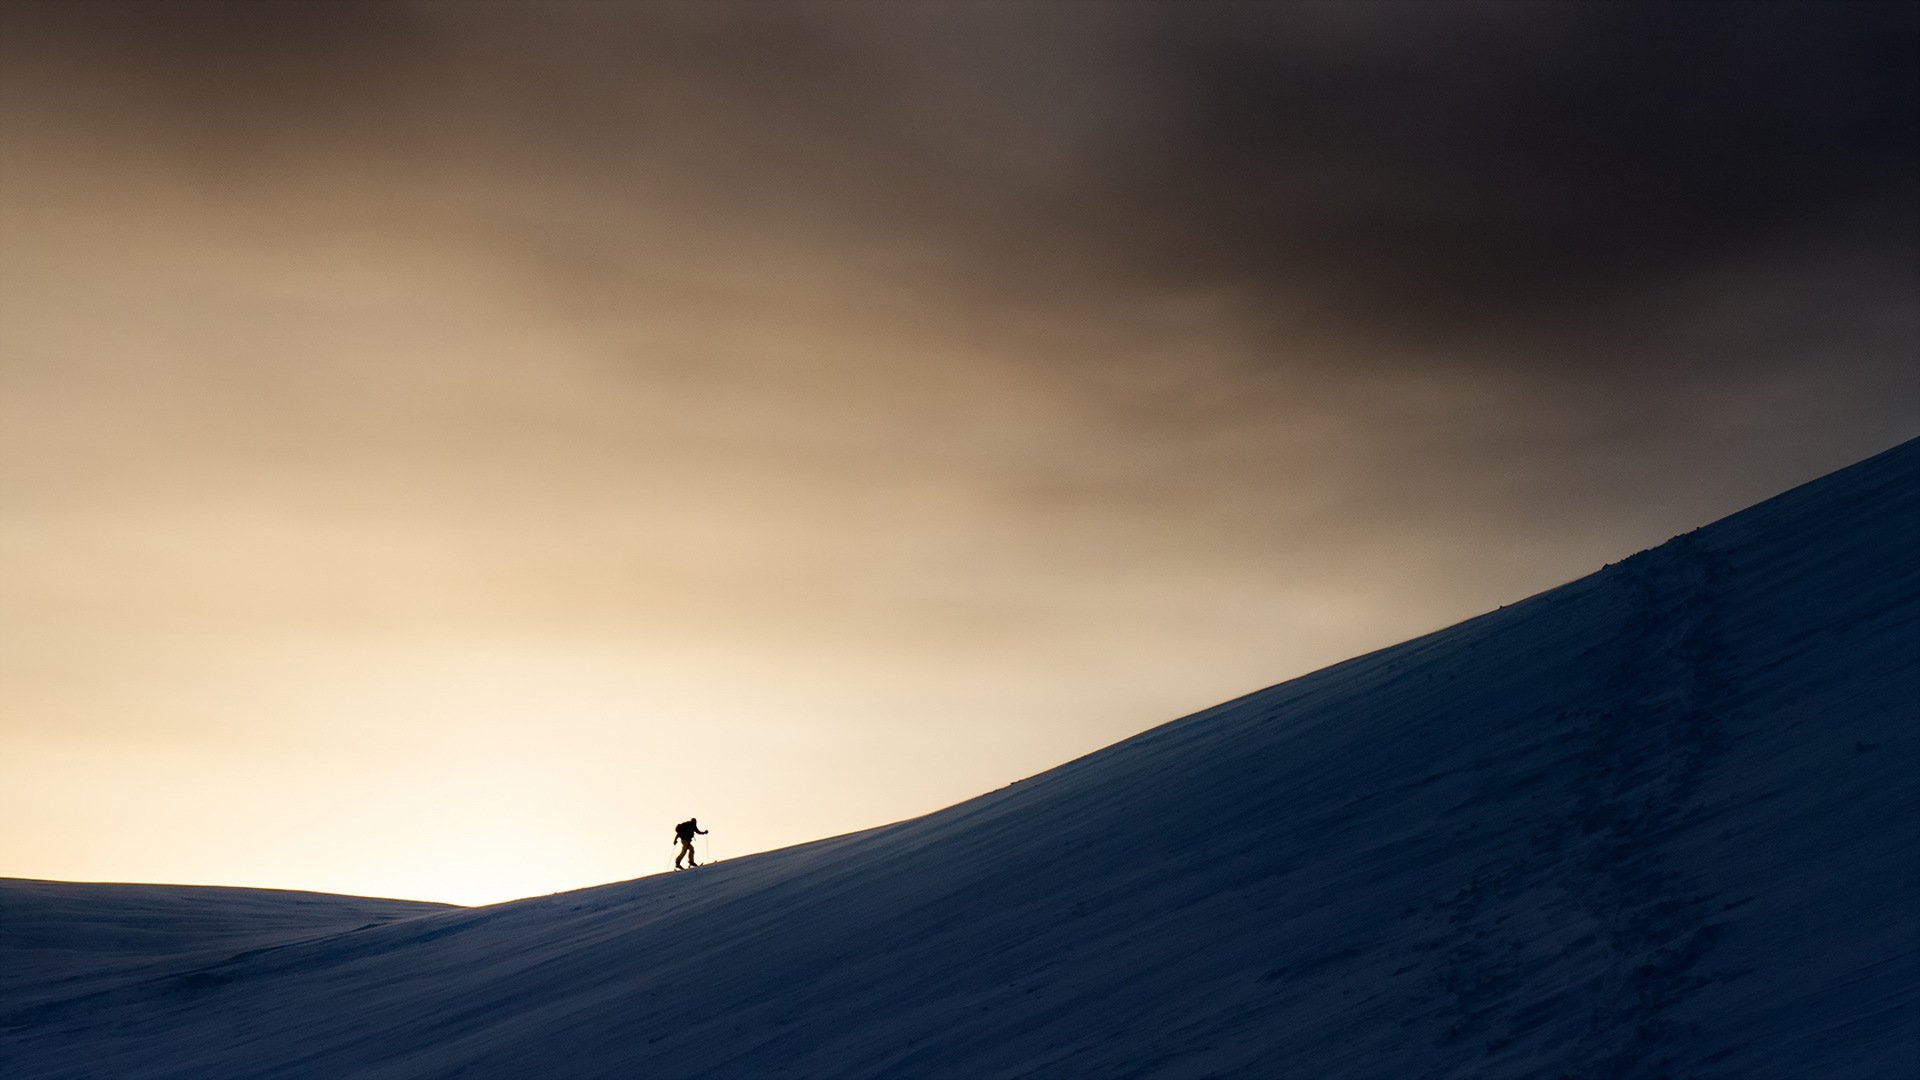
column 1664, row 820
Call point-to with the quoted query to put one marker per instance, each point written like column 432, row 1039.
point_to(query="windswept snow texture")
column 1661, row 821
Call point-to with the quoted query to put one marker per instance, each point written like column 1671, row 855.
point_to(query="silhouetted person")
column 685, row 832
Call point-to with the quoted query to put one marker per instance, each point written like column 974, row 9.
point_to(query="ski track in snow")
column 1662, row 821
column 1639, row 754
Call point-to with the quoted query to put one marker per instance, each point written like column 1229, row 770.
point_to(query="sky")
column 443, row 445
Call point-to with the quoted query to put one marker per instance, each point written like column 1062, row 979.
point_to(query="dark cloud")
column 1488, row 186
column 1466, row 165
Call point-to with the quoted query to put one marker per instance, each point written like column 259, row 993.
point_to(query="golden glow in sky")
column 443, row 446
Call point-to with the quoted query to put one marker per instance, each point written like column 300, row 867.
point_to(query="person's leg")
column 685, row 850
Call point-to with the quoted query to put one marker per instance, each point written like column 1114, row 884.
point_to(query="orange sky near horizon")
column 438, row 454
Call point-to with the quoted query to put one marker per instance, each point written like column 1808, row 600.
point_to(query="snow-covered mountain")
column 1664, row 820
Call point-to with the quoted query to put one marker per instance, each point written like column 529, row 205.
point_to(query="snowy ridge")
column 1663, row 820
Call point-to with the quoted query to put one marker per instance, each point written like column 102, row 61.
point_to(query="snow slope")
column 69, row 939
column 1664, row 820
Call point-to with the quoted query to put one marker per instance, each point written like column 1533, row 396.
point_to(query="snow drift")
column 1661, row 821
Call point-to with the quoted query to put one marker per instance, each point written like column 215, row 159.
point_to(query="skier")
column 685, row 832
